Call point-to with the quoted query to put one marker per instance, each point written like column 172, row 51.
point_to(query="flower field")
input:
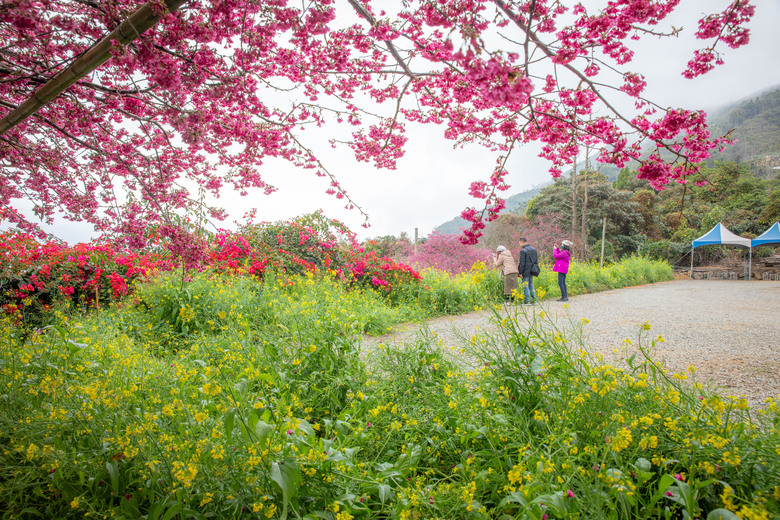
column 243, row 391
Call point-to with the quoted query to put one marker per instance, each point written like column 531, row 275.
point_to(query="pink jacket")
column 561, row 260
column 506, row 262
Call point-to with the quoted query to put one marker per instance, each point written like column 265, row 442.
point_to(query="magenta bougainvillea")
column 35, row 274
column 195, row 104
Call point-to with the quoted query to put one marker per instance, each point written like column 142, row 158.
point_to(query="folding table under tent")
column 770, row 236
column 721, row 236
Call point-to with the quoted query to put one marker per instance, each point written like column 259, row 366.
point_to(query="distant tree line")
column 634, row 218
column 657, row 223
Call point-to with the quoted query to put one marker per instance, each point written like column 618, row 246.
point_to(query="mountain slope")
column 756, row 127
column 514, row 204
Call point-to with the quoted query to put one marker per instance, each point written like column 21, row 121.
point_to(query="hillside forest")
column 657, row 223
column 634, row 218
column 739, row 187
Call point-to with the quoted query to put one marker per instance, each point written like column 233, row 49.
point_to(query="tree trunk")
column 131, row 28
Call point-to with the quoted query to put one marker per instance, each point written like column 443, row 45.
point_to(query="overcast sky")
column 431, row 182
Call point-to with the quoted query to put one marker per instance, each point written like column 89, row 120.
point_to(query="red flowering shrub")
column 310, row 243
column 34, row 275
column 381, row 272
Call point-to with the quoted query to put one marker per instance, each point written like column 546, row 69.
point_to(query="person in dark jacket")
column 525, row 261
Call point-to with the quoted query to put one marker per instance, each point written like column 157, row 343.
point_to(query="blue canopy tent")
column 720, row 235
column 770, row 236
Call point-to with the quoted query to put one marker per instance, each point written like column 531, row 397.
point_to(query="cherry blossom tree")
column 164, row 103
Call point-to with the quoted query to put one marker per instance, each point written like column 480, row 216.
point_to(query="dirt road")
column 728, row 330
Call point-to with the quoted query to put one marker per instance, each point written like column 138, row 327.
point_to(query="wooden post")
column 415, row 241
column 603, row 234
column 691, row 274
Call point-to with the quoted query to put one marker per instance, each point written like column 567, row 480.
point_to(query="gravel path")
column 728, row 330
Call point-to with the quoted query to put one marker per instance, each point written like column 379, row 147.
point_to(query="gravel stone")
column 728, row 330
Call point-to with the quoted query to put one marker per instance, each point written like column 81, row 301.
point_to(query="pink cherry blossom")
column 195, row 105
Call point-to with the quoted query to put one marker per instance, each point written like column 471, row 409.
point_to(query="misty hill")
column 514, row 204
column 756, row 126
column 755, row 122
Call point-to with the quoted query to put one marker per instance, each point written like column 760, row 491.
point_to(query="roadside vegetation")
column 241, row 392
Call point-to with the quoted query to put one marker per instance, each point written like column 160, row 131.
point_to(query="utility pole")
column 574, row 202
column 415, row 241
column 603, row 233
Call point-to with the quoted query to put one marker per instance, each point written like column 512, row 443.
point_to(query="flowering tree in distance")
column 179, row 98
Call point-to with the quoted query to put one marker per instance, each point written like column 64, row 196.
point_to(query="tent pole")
column 691, row 273
column 750, row 265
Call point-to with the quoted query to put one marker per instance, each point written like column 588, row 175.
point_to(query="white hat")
column 500, row 248
column 567, row 243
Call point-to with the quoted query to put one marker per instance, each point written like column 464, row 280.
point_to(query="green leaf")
column 229, row 420
column 75, row 347
column 113, row 475
column 514, row 498
column 287, row 475
column 63, row 485
column 643, row 464
column 305, row 427
column 130, row 508
column 156, row 509
column 172, row 511
column 721, row 514
column 537, row 365
column 385, row 492
column 263, row 431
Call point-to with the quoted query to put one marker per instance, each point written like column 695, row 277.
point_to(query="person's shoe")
column 562, row 300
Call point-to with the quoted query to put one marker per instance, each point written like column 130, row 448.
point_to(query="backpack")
column 535, row 271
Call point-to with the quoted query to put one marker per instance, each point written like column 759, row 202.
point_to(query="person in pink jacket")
column 562, row 257
column 503, row 259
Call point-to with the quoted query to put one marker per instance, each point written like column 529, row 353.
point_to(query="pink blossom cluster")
column 727, row 26
column 447, row 252
column 195, row 106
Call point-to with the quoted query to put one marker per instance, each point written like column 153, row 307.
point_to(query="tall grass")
column 585, row 278
column 226, row 398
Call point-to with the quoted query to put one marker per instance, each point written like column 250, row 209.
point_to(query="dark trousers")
column 562, row 284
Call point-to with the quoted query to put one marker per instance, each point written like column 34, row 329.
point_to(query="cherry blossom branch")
column 395, row 116
column 362, row 11
column 144, row 18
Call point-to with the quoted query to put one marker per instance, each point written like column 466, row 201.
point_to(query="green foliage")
column 177, row 309
column 443, row 293
column 284, row 414
column 588, row 278
column 666, row 250
column 624, row 215
column 643, row 220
